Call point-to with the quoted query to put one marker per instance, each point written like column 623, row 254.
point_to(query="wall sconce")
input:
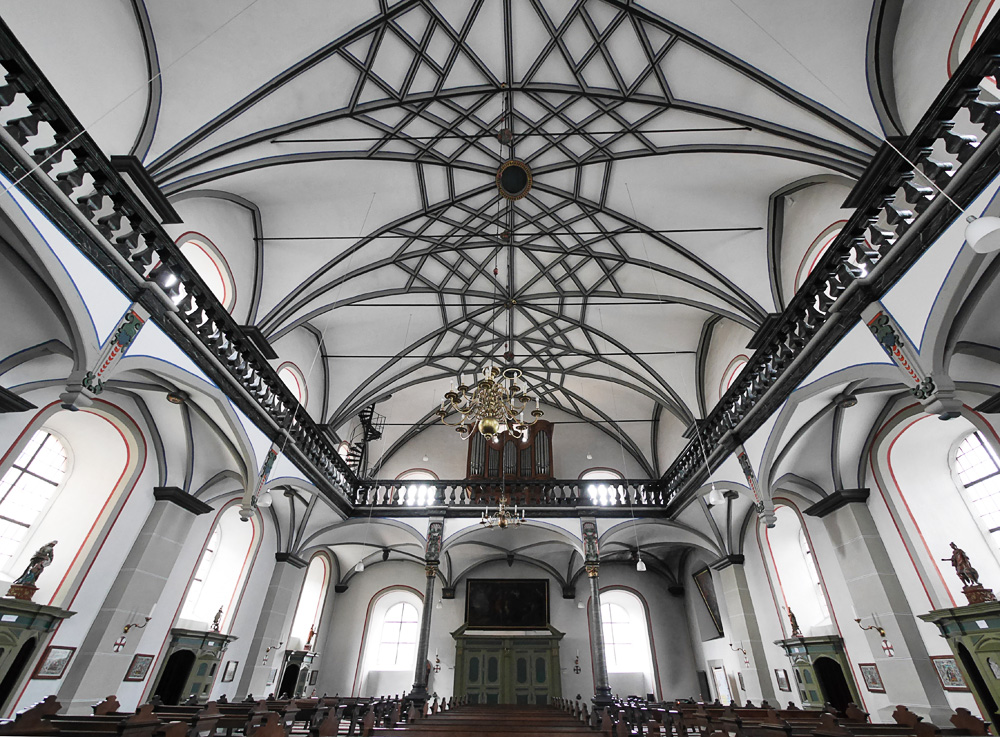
column 122, row 641
column 576, row 663
column 886, row 645
column 741, row 649
column 437, row 663
column 267, row 651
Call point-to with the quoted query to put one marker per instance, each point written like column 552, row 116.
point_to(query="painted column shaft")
column 420, row 671
column 601, row 684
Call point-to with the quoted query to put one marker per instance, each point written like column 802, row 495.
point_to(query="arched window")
column 397, row 647
column 389, row 647
column 211, row 266
column 627, row 643
column 311, row 600
column 796, row 579
column 419, row 495
column 601, row 494
column 976, row 17
column 816, row 250
column 27, row 488
column 978, row 469
column 733, row 370
column 293, row 378
column 222, row 571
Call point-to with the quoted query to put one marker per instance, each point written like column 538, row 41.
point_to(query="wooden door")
column 484, row 674
column 531, row 675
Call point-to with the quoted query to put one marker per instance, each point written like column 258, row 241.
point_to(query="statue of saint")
column 964, row 569
column 217, row 622
column 796, row 632
column 39, row 560
column 312, row 634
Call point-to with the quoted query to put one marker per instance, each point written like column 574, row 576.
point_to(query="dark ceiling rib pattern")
column 589, row 89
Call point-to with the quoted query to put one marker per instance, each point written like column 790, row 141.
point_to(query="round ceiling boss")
column 514, row 179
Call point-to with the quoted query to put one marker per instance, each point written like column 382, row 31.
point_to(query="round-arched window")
column 211, row 266
column 976, row 17
column 816, row 250
column 293, row 378
column 602, row 494
column 418, row 494
column 978, row 470
column 732, row 371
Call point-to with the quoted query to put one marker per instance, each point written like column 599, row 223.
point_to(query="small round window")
column 211, row 266
column 292, row 377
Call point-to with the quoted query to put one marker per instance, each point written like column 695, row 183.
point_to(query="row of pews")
column 702, row 720
column 324, row 717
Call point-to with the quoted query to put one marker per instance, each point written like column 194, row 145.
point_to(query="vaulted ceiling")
column 365, row 136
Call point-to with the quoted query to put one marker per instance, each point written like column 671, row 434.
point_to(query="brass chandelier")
column 503, row 517
column 494, row 405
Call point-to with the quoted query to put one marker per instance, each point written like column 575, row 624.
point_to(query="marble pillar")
column 419, row 691
column 602, row 686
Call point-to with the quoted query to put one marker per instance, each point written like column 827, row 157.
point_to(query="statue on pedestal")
column 974, row 591
column 24, row 586
column 312, row 634
column 796, row 632
column 217, row 622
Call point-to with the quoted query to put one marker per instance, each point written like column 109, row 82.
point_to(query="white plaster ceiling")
column 578, row 82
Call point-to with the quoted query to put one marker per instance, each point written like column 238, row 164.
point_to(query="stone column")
column 602, row 688
column 743, row 623
column 419, row 691
column 272, row 627
column 97, row 669
column 909, row 676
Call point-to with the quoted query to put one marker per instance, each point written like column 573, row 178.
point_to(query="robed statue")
column 39, row 561
column 217, row 622
column 963, row 567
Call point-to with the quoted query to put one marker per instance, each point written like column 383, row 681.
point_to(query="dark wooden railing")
column 898, row 216
column 568, row 494
column 64, row 172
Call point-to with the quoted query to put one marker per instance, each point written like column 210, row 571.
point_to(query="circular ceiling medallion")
column 514, row 179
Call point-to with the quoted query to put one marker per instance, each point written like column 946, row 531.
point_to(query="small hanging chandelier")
column 495, row 405
column 503, row 517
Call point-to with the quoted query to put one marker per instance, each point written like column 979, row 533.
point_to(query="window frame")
column 14, row 454
column 300, row 377
column 218, row 259
column 990, row 535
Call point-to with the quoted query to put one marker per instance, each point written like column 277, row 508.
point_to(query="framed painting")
column 703, row 580
column 54, row 662
column 230, row 672
column 313, row 676
column 139, row 668
column 739, row 675
column 506, row 604
column 782, row 677
column 272, row 676
column 871, row 677
column 948, row 673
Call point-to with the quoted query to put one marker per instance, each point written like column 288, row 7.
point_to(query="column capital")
column 733, row 559
column 592, row 570
column 181, row 498
column 837, row 500
column 430, row 570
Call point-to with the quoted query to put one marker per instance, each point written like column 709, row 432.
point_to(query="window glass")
column 618, row 647
column 602, row 494
column 978, row 470
column 294, row 380
column 212, row 268
column 397, row 646
column 26, row 489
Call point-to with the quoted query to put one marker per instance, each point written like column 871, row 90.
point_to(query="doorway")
column 174, row 677
column 288, row 681
column 509, row 672
column 979, row 687
column 17, row 666
column 833, row 683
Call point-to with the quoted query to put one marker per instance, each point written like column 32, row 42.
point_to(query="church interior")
column 412, row 365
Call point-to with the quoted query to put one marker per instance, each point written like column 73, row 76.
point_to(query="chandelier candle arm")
column 496, row 405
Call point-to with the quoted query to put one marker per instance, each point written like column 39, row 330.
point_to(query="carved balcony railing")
column 63, row 171
column 898, row 216
column 555, row 495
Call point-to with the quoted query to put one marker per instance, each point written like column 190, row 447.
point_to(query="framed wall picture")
column 500, row 603
column 312, row 677
column 273, row 674
column 230, row 672
column 782, row 677
column 871, row 677
column 703, row 580
column 139, row 668
column 739, row 675
column 948, row 673
column 54, row 662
